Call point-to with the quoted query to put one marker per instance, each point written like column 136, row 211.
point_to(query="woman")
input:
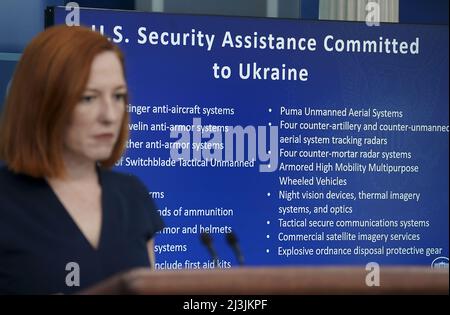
column 66, row 220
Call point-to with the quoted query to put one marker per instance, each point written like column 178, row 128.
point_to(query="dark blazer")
column 39, row 240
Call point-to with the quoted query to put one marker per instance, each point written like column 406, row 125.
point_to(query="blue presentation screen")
column 298, row 142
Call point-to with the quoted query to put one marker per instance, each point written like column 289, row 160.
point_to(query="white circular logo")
column 440, row 263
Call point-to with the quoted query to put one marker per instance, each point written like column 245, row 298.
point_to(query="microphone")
column 233, row 242
column 207, row 241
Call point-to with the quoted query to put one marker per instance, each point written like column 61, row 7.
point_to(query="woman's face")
column 97, row 118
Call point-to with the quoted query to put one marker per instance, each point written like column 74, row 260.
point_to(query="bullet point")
column 270, row 110
column 268, row 236
column 268, row 222
column 267, row 251
column 268, row 194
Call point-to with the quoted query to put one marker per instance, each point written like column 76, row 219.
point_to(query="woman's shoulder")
column 133, row 190
column 123, row 181
column 9, row 178
column 5, row 173
column 3, row 169
column 17, row 188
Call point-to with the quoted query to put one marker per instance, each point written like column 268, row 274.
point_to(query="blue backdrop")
column 416, row 86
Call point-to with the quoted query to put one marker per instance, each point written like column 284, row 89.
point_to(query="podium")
column 275, row 281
